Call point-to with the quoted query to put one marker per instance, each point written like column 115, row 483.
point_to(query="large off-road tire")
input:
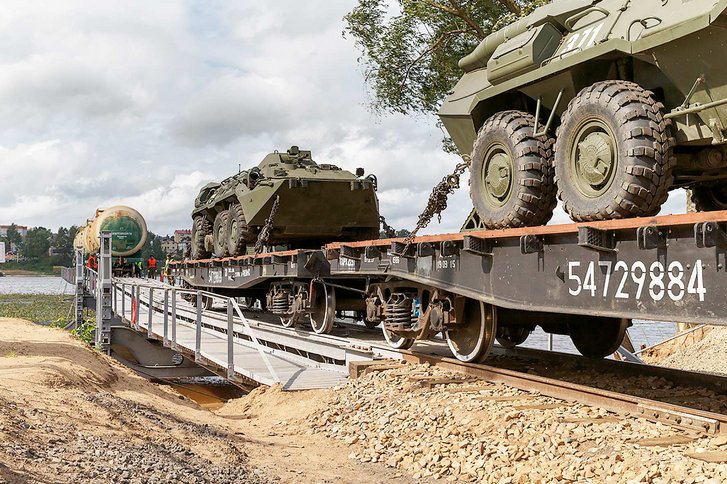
column 708, row 198
column 219, row 234
column 613, row 153
column 237, row 231
column 512, row 173
column 201, row 227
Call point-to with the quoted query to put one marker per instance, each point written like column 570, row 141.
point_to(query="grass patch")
column 38, row 308
column 52, row 310
column 35, row 267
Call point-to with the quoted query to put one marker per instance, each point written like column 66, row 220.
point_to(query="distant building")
column 182, row 235
column 22, row 230
column 169, row 246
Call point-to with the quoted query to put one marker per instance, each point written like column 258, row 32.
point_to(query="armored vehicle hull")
column 607, row 104
column 296, row 201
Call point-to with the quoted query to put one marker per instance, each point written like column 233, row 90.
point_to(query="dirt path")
column 71, row 414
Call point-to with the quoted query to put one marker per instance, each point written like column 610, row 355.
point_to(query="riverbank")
column 24, row 272
column 35, row 268
column 71, row 414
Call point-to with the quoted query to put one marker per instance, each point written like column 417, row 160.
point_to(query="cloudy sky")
column 142, row 103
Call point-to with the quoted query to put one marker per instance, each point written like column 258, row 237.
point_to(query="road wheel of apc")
column 201, row 227
column 708, row 198
column 613, row 153
column 512, row 173
column 237, row 231
column 599, row 337
column 219, row 234
column 471, row 339
column 511, row 336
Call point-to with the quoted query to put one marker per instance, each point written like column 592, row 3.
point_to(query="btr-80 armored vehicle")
column 607, row 103
column 305, row 205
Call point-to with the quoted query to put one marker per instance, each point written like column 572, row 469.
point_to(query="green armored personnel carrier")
column 305, row 205
column 608, row 104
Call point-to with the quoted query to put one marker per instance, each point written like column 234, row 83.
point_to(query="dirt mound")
column 665, row 350
column 69, row 413
column 274, row 403
column 702, row 350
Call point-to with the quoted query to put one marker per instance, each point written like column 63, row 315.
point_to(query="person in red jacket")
column 151, row 266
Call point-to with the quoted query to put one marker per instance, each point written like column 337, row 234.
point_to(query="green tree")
column 63, row 242
column 153, row 245
column 37, row 242
column 410, row 56
column 13, row 237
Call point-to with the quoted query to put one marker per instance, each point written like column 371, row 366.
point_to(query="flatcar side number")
column 656, row 281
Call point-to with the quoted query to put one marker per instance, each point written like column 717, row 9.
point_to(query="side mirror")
column 360, row 172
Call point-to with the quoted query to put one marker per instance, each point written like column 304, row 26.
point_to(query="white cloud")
column 143, row 102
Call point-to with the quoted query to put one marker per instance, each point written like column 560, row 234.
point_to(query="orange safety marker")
column 133, row 310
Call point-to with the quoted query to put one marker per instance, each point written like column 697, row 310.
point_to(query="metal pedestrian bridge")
column 156, row 329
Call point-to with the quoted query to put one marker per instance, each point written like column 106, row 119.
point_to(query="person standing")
column 151, row 267
column 167, row 271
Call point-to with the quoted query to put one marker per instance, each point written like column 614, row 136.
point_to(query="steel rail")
column 674, row 415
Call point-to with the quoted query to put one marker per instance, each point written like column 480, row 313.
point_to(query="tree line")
column 34, row 249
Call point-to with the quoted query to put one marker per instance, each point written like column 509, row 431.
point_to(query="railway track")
column 684, row 416
column 691, row 401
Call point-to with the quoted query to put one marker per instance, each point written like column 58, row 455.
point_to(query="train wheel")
column 207, row 302
column 237, row 230
column 288, row 321
column 600, row 338
column 201, row 227
column 323, row 299
column 472, row 339
column 613, row 156
column 219, row 234
column 512, row 173
column 511, row 336
column 707, row 198
column 396, row 341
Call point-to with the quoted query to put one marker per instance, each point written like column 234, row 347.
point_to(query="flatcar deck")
column 669, row 268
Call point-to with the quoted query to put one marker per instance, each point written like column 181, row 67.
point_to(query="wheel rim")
column 473, row 338
column 594, row 158
column 220, row 234
column 396, row 341
column 287, row 321
column 718, row 196
column 497, row 173
column 324, row 302
column 233, row 230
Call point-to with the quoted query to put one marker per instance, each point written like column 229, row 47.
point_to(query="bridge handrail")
column 231, row 303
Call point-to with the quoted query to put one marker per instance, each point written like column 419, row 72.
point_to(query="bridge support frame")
column 103, row 295
column 78, row 299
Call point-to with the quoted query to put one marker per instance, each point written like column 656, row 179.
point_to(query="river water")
column 642, row 332
column 34, row 285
